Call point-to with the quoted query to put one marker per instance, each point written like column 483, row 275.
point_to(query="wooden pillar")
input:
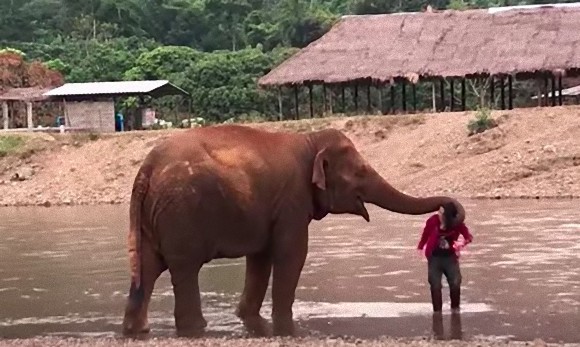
column 492, row 101
column 560, row 90
column 29, row 121
column 343, row 98
column 392, row 98
column 331, row 100
column 510, row 93
column 414, row 91
column 5, row 114
column 311, row 104
column 545, row 103
column 502, row 91
column 442, row 91
column 553, row 90
column 280, row 116
column 296, row 105
column 369, row 106
column 452, row 101
column 404, row 95
column 381, row 106
column 356, row 98
column 463, row 106
column 324, row 102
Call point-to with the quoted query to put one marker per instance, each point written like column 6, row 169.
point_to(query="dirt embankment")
column 532, row 153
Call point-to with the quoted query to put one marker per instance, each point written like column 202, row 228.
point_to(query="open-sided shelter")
column 523, row 42
column 92, row 105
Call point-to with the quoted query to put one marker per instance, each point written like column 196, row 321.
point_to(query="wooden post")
column 442, row 91
column 560, row 90
column 5, row 114
column 343, row 99
column 404, row 96
column 331, row 100
column 296, row 112
column 414, row 91
column 492, row 101
column 356, row 98
column 553, row 90
column 510, row 93
column 311, row 105
column 324, row 102
column 381, row 106
column 502, row 87
column 392, row 98
column 545, row 102
column 463, row 106
column 280, row 116
column 452, row 101
column 433, row 97
column 369, row 106
column 29, row 121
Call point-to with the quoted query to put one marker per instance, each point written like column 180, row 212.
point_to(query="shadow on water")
column 64, row 271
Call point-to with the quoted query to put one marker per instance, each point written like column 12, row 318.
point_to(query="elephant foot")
column 256, row 326
column 283, row 326
column 135, row 327
column 195, row 328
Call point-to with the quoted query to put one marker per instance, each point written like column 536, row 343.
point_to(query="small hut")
column 29, row 96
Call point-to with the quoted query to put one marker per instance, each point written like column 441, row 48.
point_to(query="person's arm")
column 465, row 233
column 424, row 236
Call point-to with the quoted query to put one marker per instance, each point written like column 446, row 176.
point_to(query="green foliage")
column 215, row 49
column 482, row 122
column 10, row 144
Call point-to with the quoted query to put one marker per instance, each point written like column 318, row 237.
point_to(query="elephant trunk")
column 382, row 194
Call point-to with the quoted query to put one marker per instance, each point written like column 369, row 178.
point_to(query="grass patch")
column 10, row 144
column 482, row 122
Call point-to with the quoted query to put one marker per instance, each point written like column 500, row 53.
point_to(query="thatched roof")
column 439, row 44
column 25, row 94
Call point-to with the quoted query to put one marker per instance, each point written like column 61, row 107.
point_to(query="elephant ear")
column 318, row 171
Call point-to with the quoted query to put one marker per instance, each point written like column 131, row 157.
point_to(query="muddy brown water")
column 64, row 271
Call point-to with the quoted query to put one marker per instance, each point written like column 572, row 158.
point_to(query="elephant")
column 231, row 191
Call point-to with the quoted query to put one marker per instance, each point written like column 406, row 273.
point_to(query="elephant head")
column 343, row 181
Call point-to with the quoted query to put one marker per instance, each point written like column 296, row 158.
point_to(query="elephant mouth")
column 362, row 211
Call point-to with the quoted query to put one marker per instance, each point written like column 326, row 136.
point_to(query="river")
column 64, row 271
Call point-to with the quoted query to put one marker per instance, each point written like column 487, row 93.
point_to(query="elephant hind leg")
column 189, row 321
column 152, row 265
column 258, row 269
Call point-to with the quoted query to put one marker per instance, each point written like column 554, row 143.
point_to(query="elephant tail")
column 140, row 188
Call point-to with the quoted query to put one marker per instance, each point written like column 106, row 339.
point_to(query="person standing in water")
column 440, row 240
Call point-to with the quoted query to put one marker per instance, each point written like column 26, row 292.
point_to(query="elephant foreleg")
column 135, row 320
column 258, row 269
column 189, row 319
column 289, row 255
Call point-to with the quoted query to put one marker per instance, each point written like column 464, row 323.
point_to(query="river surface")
column 64, row 271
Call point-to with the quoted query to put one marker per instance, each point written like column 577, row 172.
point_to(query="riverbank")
column 532, row 153
column 305, row 342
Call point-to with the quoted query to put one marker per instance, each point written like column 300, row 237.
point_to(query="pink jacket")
column 430, row 234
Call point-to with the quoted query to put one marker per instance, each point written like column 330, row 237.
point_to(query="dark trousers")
column 448, row 266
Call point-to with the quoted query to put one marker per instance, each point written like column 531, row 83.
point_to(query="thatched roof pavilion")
column 521, row 41
column 438, row 44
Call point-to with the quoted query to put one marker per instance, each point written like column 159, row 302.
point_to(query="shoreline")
column 49, row 204
column 533, row 154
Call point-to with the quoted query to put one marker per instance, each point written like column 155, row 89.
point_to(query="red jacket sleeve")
column 425, row 234
column 465, row 232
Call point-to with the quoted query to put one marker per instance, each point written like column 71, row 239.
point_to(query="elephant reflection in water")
column 456, row 329
column 233, row 191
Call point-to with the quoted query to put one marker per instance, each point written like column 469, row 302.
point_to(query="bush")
column 482, row 122
column 10, row 144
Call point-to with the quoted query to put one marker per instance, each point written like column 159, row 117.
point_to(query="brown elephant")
column 231, row 191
